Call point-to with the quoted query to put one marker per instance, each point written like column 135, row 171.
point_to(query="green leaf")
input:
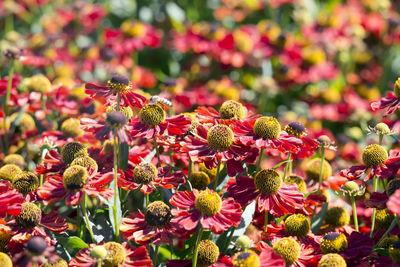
column 123, row 156
column 381, row 251
column 318, row 219
column 73, row 242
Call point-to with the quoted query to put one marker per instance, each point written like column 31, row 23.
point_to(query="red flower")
column 10, row 200
column 391, row 103
column 118, row 84
column 267, row 258
column 274, row 197
column 393, row 204
column 308, row 146
column 134, row 257
column 205, row 207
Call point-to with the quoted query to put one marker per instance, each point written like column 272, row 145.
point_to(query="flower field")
column 228, row 133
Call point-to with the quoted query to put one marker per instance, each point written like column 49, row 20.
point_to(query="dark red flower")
column 393, row 203
column 391, row 103
column 10, row 200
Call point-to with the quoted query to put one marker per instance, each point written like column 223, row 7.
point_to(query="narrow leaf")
column 318, row 219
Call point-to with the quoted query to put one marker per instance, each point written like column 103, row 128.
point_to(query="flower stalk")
column 84, row 211
column 196, row 247
column 353, row 204
column 321, row 171
column 115, row 146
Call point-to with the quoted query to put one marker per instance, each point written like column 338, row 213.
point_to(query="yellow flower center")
column 25, row 182
column 144, row 173
column 152, row 115
column 70, row 128
column 268, row 181
column 374, row 155
column 296, row 129
column 73, row 150
column 75, row 177
column 157, row 214
column 212, row 173
column 297, row 225
column 27, row 123
column 208, row 202
column 383, row 219
column 5, row 261
column 396, row 88
column 127, row 111
column 332, row 259
column 9, row 171
column 392, row 186
column 288, row 248
column 208, row 253
column 199, row 180
column 86, row 162
column 267, row 128
column 220, row 137
column 15, row 159
column 294, row 179
column 388, row 241
column 337, row 217
column 313, row 169
column 29, row 217
column 231, row 110
column 4, row 238
column 59, row 263
column 246, row 259
column 119, row 83
column 115, row 254
column 333, row 243
column 38, row 83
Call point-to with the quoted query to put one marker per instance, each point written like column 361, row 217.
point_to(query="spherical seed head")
column 296, row 129
column 333, row 243
column 243, row 242
column 75, row 177
column 5, row 261
column 374, row 155
column 12, row 53
column 27, row 123
column 152, row 115
column 350, row 186
column 59, row 263
column 268, row 181
column 337, row 217
column 388, row 241
column 383, row 219
column 332, row 260
column 392, row 186
column 208, row 202
column 115, row 254
column 382, row 128
column 38, row 83
column 199, row 180
column 208, row 253
column 36, row 245
column 324, row 141
column 231, row 110
column 267, row 128
column 119, row 83
column 70, row 128
column 396, row 88
column 212, row 173
column 86, row 162
column 127, row 111
column 313, row 169
column 29, row 217
column 116, row 119
column 294, row 179
column 220, row 137
column 297, row 225
column 98, row 252
column 108, row 146
column 157, row 214
column 247, row 259
column 288, row 248
column 25, row 182
column 4, row 238
column 15, row 159
column 73, row 150
column 144, row 173
column 9, row 171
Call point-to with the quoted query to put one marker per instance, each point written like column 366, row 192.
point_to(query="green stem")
column 217, row 177
column 147, row 200
column 115, row 145
column 289, row 157
column 353, row 203
column 190, row 167
column 380, row 139
column 99, row 263
column 6, row 100
column 9, row 23
column 157, row 152
column 392, row 225
column 229, row 239
column 196, row 247
column 155, row 255
column 266, row 221
column 375, row 179
column 83, row 207
column 260, row 159
column 321, row 171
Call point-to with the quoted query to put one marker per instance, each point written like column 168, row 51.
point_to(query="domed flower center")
column 115, row 254
column 248, row 259
column 388, row 241
column 294, row 179
column 4, row 238
column 152, row 115
column 288, row 248
column 38, row 83
column 350, row 186
column 231, row 110
column 296, row 129
column 268, row 181
column 337, row 217
column 9, row 171
column 297, row 225
column 75, row 177
column 383, row 219
column 27, row 123
column 70, row 128
column 25, row 182
column 220, row 137
column 59, row 263
column 127, row 111
column 313, row 169
column 332, row 259
column 374, row 155
column 5, row 260
column 333, row 243
column 119, row 83
column 208, row 253
column 199, row 180
column 208, row 202
column 267, row 128
column 73, row 150
column 144, row 173
column 396, row 88
column 36, row 245
column 157, row 214
column 15, row 159
column 29, row 217
column 392, row 186
column 116, row 119
column 86, row 162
